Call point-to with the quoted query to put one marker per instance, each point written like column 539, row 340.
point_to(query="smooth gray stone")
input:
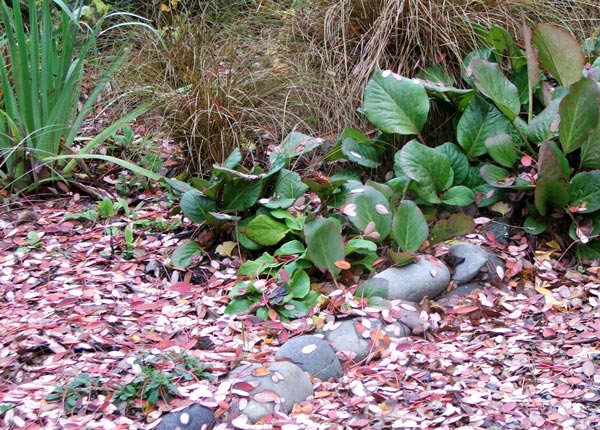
column 474, row 258
column 349, row 335
column 415, row 281
column 464, row 289
column 313, row 355
column 194, row 417
column 285, row 381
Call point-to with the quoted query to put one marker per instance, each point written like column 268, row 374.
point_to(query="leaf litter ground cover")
column 522, row 355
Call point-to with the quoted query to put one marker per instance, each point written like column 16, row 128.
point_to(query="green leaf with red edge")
column 559, row 53
column 579, row 112
column 553, row 176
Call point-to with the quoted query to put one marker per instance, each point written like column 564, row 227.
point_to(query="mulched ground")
column 521, row 355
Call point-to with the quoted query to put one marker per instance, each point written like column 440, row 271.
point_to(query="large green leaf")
column 553, row 176
column 458, row 160
column 459, row 196
column 196, row 206
column 589, row 157
column 288, row 188
column 241, row 194
column 431, row 169
column 544, row 126
column 369, row 206
column 501, row 178
column 584, row 192
column 264, row 263
column 296, row 144
column 479, row 121
column 264, row 230
column 559, row 53
column 395, row 104
column 502, row 149
column 184, row 254
column 578, row 114
column 325, row 245
column 358, row 148
column 409, row 227
column 490, row 80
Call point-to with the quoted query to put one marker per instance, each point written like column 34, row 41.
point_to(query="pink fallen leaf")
column 266, row 396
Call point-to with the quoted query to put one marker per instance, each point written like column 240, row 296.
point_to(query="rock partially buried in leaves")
column 265, row 388
column 427, row 277
column 195, row 417
column 469, row 260
column 361, row 336
column 313, row 355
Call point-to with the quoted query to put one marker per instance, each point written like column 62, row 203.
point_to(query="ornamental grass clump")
column 43, row 58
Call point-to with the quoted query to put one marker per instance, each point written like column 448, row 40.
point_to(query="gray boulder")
column 270, row 387
column 313, row 355
column 362, row 336
column 470, row 260
column 195, row 417
column 415, row 281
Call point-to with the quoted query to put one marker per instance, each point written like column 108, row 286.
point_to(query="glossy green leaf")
column 243, row 238
column 264, row 263
column 288, row 188
column 544, row 126
column 559, row 53
column 553, row 176
column 325, row 245
column 534, row 224
column 431, row 169
column 241, row 194
column 264, row 230
column 584, row 192
column 479, row 121
column 196, row 206
column 184, row 254
column 358, row 148
column 502, row 178
column 578, row 114
column 369, row 208
column 299, row 284
column 459, row 196
column 395, row 104
column 458, row 160
column 492, row 83
column 237, row 306
column 502, row 149
column 409, row 227
column 589, row 157
column 293, row 247
column 360, row 246
column 296, row 144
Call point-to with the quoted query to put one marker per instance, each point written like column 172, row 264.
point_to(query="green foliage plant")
column 72, row 394
column 520, row 143
column 41, row 72
column 158, row 378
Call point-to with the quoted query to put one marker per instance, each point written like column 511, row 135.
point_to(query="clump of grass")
column 224, row 86
column 350, row 39
column 246, row 76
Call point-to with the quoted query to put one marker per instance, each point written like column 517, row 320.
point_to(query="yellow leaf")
column 165, row 8
column 226, row 248
column 540, row 287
